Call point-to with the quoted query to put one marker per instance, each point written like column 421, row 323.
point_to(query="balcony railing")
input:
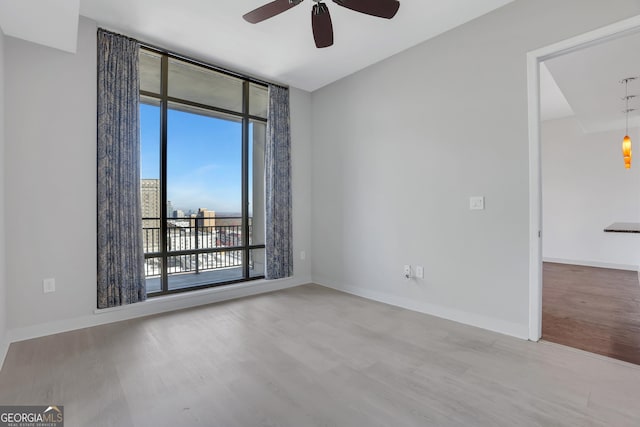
column 203, row 239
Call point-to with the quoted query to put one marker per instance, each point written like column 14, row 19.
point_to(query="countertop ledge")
column 623, row 227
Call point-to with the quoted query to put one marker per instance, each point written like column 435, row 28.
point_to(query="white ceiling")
column 589, row 79
column 584, row 84
column 280, row 49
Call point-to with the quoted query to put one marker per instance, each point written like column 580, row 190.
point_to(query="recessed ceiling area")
column 553, row 104
column 46, row 22
column 589, row 80
column 280, row 49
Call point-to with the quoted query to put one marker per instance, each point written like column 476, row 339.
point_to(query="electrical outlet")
column 48, row 285
column 407, row 272
column 303, row 255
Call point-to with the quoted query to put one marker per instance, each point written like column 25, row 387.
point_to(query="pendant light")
column 626, row 141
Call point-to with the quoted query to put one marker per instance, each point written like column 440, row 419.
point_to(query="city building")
column 204, row 218
column 150, row 198
column 170, row 210
column 150, row 204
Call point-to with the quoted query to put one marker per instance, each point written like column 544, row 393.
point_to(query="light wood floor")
column 310, row 356
column 593, row 309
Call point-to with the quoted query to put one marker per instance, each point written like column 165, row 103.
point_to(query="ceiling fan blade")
column 270, row 10
column 322, row 27
column 380, row 8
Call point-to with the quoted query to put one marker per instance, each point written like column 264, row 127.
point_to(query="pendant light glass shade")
column 626, row 151
column 626, row 141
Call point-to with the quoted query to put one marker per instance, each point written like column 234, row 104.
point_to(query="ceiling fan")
column 320, row 18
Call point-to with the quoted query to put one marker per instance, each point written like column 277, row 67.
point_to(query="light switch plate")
column 476, row 203
column 419, row 272
column 49, row 285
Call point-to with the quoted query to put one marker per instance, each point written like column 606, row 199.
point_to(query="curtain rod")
column 223, row 70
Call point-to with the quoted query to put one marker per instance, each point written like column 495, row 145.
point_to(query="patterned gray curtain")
column 120, row 252
column 278, row 246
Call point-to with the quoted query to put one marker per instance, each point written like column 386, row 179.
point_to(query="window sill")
column 204, row 296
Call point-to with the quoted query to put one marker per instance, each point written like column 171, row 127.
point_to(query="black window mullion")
column 245, row 179
column 163, row 169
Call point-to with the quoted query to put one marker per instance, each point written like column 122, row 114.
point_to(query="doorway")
column 590, row 292
column 535, row 58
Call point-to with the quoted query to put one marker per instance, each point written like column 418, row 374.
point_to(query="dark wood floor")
column 593, row 309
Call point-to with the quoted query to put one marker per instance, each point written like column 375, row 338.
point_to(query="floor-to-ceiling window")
column 202, row 174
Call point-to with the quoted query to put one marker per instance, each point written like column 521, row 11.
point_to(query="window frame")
column 246, row 118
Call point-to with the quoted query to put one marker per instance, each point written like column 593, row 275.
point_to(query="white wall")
column 51, row 165
column 399, row 147
column 3, row 272
column 585, row 187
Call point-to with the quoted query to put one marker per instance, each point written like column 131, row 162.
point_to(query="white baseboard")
column 598, row 264
column 153, row 306
column 496, row 325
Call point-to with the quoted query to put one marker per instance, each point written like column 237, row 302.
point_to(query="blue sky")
column 204, row 159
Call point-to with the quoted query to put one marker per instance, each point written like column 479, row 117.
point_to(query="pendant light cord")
column 626, row 97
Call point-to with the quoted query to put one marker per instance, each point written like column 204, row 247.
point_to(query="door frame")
column 534, row 58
